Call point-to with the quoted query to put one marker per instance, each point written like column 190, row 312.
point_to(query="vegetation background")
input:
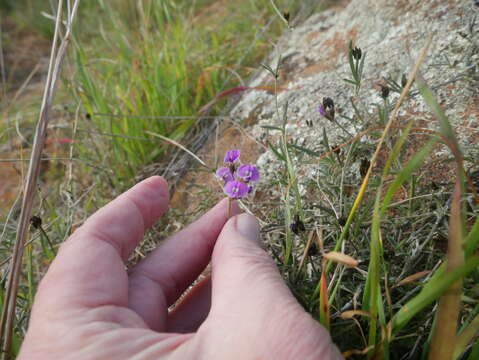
column 143, row 75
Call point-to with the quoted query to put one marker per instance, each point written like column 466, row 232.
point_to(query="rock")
column 391, row 34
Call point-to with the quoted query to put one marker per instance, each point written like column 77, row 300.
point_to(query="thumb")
column 252, row 308
column 244, row 276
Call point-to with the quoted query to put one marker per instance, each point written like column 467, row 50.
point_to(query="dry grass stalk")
column 55, row 66
column 444, row 335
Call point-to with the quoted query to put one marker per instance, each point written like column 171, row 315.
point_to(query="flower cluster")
column 239, row 179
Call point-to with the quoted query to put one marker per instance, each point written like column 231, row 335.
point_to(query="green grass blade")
column 472, row 239
column 407, row 172
column 474, row 355
column 431, row 291
column 466, row 336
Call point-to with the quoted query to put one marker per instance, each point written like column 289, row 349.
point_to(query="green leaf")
column 465, row 337
column 472, row 239
column 305, row 150
column 407, row 172
column 350, row 81
column 269, row 127
column 276, row 152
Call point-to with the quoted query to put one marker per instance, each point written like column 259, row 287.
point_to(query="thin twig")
column 173, row 142
column 56, row 61
column 279, row 12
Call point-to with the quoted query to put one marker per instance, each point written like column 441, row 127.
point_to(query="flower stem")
column 230, row 202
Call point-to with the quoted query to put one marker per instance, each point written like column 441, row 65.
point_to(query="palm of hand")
column 89, row 307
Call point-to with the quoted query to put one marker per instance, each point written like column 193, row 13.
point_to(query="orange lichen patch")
column 313, row 35
column 437, row 3
column 337, row 5
column 333, row 49
column 406, row 5
column 315, row 69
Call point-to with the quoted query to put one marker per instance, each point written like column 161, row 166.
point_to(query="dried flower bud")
column 328, row 103
column 327, row 109
column 403, row 80
column 297, row 226
column 357, row 53
column 384, row 91
column 363, row 168
column 36, row 222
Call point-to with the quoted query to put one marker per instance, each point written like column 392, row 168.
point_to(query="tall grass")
column 155, row 65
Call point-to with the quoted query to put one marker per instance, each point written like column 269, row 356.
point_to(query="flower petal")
column 249, row 173
column 236, row 189
column 231, row 156
column 322, row 110
column 225, row 174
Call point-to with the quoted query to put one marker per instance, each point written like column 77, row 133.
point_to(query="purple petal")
column 322, row 110
column 231, row 156
column 236, row 189
column 224, row 174
column 248, row 173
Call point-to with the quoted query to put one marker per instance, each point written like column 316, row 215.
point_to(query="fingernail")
column 248, row 226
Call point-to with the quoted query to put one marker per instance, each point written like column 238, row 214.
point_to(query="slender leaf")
column 431, row 291
column 444, row 332
column 465, row 338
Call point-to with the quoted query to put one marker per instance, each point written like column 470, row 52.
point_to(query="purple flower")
column 248, row 172
column 322, row 110
column 231, row 156
column 225, row 174
column 236, row 189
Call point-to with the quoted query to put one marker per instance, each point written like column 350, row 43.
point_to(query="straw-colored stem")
column 56, row 61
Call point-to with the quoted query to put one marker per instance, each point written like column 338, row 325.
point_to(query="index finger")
column 89, row 269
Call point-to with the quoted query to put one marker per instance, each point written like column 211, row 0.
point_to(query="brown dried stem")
column 57, row 57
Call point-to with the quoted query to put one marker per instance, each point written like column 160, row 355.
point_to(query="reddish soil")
column 25, row 53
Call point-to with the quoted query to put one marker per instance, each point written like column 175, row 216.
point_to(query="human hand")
column 89, row 307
